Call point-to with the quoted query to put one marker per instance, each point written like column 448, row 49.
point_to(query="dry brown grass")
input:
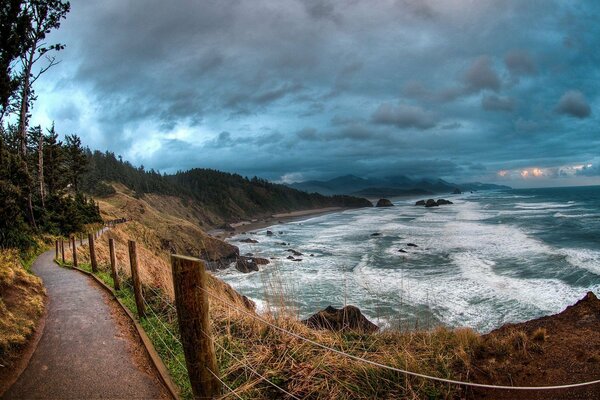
column 21, row 304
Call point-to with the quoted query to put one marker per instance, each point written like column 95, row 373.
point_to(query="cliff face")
column 553, row 350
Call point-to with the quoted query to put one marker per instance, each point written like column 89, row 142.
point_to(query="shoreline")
column 274, row 219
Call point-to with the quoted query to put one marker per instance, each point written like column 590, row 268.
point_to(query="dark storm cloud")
column 520, row 62
column 403, row 116
column 481, row 75
column 316, row 88
column 574, row 103
column 497, row 103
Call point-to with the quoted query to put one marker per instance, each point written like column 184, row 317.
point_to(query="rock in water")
column 246, row 265
column 431, row 203
column 260, row 261
column 420, row 203
column 269, row 233
column 384, row 203
column 442, row 202
column 457, row 191
column 348, row 318
column 248, row 241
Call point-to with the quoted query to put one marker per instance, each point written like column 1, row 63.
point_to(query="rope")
column 252, row 369
column 224, row 384
column 416, row 374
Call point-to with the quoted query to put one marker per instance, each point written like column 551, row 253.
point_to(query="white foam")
column 583, row 258
column 466, row 270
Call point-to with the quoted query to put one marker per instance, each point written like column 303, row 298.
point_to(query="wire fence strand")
column 399, row 370
column 252, row 369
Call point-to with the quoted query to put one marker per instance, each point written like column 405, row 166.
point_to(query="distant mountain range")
column 391, row 186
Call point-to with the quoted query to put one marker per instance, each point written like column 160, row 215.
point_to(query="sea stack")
column 384, row 203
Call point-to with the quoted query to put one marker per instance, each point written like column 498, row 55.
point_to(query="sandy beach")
column 261, row 223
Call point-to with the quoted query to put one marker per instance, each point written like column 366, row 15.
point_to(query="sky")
column 289, row 90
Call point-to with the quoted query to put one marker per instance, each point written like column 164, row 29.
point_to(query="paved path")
column 83, row 352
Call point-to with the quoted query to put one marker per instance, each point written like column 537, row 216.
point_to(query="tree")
column 13, row 28
column 54, row 163
column 43, row 16
column 76, row 160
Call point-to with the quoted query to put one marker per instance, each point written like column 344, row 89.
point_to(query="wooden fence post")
column 191, row 299
column 74, row 252
column 93, row 253
column 135, row 277
column 62, row 249
column 113, row 264
column 81, row 239
column 56, row 250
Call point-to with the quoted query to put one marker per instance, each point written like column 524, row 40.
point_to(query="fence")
column 182, row 331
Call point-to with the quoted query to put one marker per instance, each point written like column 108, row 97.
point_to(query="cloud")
column 481, row 75
column 304, row 86
column 519, row 62
column 574, row 103
column 497, row 103
column 403, row 116
column 307, row 134
column 589, row 170
column 451, row 125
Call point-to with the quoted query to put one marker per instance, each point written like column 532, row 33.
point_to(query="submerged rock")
column 457, row 191
column 294, row 252
column 349, row 318
column 384, row 203
column 375, row 234
column 269, row 233
column 411, row 245
column 442, row 202
column 420, row 203
column 431, row 203
column 248, row 241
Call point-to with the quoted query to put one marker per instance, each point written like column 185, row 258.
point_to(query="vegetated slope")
column 21, row 304
column 165, row 224
column 558, row 349
column 220, row 196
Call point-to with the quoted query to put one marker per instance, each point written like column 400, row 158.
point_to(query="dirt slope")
column 553, row 350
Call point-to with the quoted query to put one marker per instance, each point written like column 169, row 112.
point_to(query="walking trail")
column 88, row 348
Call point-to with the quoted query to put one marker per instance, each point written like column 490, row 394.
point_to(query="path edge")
column 162, row 370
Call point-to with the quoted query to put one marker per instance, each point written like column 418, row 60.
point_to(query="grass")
column 21, row 304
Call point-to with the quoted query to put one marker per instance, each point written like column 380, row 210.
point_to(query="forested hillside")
column 229, row 196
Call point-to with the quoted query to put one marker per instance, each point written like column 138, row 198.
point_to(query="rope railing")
column 399, row 370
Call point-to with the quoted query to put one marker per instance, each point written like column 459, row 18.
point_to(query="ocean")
column 491, row 258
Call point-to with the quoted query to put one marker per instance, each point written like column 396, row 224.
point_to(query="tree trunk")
column 41, row 169
column 23, row 127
